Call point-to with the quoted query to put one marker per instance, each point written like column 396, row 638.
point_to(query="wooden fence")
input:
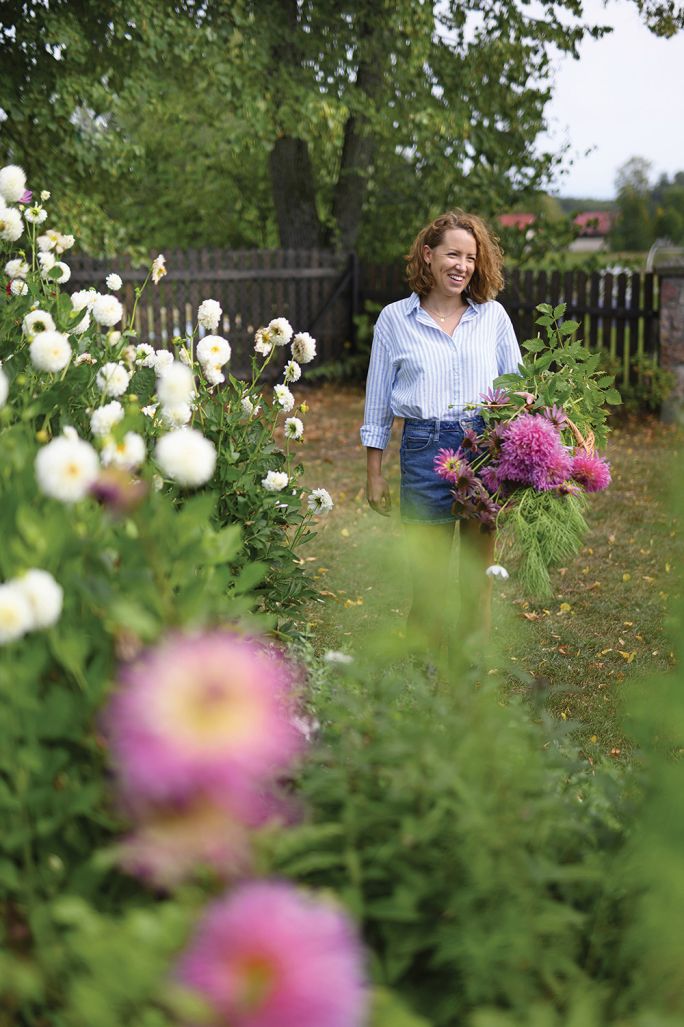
column 313, row 289
column 618, row 313
column 319, row 291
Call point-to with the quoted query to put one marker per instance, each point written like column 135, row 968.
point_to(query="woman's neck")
column 445, row 305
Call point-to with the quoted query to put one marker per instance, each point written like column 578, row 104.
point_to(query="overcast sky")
column 624, row 97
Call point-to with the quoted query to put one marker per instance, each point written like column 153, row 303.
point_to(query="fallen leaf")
column 564, row 608
column 626, row 576
column 345, row 533
column 629, row 657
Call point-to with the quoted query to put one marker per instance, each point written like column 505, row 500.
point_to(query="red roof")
column 594, row 222
column 520, row 221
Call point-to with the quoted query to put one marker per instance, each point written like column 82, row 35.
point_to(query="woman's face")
column 452, row 262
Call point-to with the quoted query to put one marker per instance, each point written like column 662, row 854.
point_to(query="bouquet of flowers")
column 528, row 472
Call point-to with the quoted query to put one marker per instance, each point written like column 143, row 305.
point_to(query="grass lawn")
column 606, row 621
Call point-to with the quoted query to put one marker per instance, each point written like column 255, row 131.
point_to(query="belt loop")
column 437, row 427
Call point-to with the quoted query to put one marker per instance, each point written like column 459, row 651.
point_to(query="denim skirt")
column 425, row 497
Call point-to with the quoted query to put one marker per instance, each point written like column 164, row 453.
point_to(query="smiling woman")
column 434, row 356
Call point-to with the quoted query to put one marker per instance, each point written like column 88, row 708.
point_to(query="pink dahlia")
column 592, row 472
column 470, row 444
column 268, row 956
column 532, row 453
column 448, row 463
column 204, row 713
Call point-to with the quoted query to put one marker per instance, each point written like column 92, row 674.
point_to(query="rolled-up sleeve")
column 378, row 416
column 508, row 355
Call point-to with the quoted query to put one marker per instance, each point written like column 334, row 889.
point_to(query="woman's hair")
column 487, row 278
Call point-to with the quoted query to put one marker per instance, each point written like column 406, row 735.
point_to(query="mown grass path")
column 607, row 618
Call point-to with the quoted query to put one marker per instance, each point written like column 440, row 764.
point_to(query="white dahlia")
column 186, row 457
column 104, row 418
column 16, row 268
column 144, row 355
column 279, row 331
column 158, row 268
column 213, row 374
column 81, row 326
column 16, row 617
column 47, row 261
column 37, row 321
column 83, row 298
column 64, row 273
column 303, row 348
column 50, row 351
column 163, row 359
column 66, row 468
column 293, row 371
column 12, row 183
column 262, row 342
column 294, row 428
column 18, row 287
column 176, row 416
column 4, row 387
column 275, row 481
column 128, row 454
column 113, row 282
column 35, row 214
column 64, row 242
column 284, row 397
column 175, row 385
column 320, row 501
column 11, row 224
column 44, row 596
column 112, row 379
column 48, row 240
column 107, row 310
column 213, row 349
column 209, row 314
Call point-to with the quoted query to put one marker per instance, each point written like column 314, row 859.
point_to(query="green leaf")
column 568, row 327
column 613, row 397
column 534, row 345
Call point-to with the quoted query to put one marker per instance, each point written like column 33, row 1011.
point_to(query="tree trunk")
column 359, row 146
column 294, row 194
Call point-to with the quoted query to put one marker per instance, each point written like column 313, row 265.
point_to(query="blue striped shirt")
column 417, row 370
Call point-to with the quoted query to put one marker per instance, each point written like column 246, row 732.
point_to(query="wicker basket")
column 587, row 443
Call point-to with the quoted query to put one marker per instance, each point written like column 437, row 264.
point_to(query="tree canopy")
column 295, row 122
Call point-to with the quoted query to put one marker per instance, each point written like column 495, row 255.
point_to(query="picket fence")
column 321, row 292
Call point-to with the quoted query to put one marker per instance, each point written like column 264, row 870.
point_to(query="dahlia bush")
column 526, row 475
column 150, row 725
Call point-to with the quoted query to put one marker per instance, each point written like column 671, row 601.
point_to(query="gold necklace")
column 436, row 313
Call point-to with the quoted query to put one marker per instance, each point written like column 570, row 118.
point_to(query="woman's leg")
column 429, row 552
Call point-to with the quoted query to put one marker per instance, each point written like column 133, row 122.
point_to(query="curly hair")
column 487, row 278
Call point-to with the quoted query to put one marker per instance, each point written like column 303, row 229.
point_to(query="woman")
column 434, row 355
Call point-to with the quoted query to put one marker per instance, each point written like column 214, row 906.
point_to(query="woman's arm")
column 377, row 489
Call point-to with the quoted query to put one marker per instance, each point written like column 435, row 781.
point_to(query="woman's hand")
column 378, row 494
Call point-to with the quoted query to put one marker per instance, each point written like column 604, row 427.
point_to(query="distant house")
column 594, row 228
column 521, row 221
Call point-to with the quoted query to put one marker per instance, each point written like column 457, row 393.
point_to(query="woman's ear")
column 427, row 254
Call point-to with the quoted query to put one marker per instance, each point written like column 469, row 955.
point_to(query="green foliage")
column 559, row 370
column 474, row 845
column 542, row 530
column 648, row 387
column 81, row 943
column 374, row 96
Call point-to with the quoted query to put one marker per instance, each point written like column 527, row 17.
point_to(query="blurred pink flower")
column 173, row 841
column 203, row 713
column 592, row 472
column 26, row 197
column 268, row 956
